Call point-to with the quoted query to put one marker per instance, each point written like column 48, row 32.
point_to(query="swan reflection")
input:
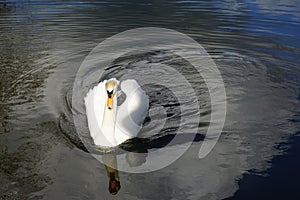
column 111, row 166
column 135, row 157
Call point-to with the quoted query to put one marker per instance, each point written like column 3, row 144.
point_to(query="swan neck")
column 109, row 121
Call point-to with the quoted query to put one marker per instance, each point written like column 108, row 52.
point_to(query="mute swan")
column 110, row 124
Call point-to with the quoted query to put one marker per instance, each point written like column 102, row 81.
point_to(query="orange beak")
column 109, row 103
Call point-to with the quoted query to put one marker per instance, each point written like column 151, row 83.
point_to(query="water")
column 255, row 45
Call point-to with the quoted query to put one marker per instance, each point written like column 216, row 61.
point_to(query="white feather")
column 111, row 128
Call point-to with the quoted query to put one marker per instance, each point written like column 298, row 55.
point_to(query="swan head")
column 111, row 88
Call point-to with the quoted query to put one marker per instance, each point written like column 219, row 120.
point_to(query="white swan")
column 109, row 124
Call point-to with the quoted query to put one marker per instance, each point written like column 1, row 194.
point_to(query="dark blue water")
column 280, row 181
column 255, row 45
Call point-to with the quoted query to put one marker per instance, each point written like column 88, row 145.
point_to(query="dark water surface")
column 255, row 45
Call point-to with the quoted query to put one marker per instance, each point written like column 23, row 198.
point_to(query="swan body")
column 110, row 124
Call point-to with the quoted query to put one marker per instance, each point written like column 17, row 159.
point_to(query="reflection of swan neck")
column 110, row 162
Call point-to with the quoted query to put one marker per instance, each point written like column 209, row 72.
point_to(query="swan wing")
column 132, row 113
